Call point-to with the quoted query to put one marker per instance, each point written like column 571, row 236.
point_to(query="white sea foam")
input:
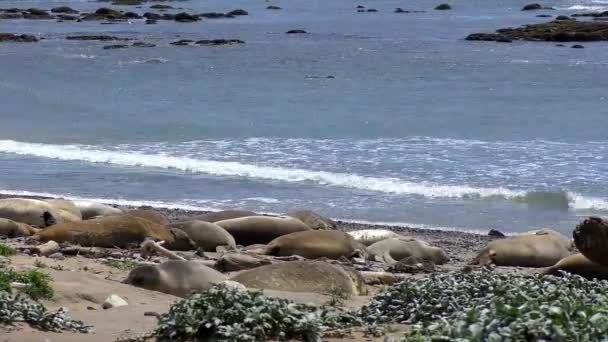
column 585, row 8
column 387, row 185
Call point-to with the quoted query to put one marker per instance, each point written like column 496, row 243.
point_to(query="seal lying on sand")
column 579, row 264
column 542, row 249
column 206, row 235
column 36, row 212
column 224, row 215
column 175, row 277
column 392, row 250
column 150, row 215
column 90, row 209
column 114, row 231
column 11, row 229
column 312, row 219
column 303, row 276
column 261, row 229
column 370, row 236
column 314, row 244
column 239, row 261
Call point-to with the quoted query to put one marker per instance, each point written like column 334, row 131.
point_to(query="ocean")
column 415, row 126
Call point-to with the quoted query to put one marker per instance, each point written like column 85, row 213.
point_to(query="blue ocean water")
column 417, row 127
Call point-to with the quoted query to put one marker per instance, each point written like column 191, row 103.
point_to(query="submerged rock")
column 159, row 6
column 100, row 38
column 217, row 42
column 296, row 32
column 577, row 46
column 114, row 47
column 273, row 8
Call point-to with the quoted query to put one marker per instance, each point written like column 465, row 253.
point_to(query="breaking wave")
column 388, row 185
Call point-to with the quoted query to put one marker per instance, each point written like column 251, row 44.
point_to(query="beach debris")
column 114, row 301
column 47, row 248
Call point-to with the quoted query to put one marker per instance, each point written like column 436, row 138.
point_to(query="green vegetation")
column 38, row 283
column 17, row 309
column 6, row 250
column 492, row 306
column 235, row 315
column 124, row 264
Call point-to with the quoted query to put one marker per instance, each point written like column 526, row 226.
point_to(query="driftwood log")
column 591, row 239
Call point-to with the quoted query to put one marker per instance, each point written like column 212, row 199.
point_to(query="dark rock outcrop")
column 296, row 32
column 114, row 47
column 99, row 37
column 17, row 38
column 534, row 7
column 592, row 14
column 577, row 46
column 556, row 31
column 64, row 10
column 182, row 42
column 273, row 8
column 238, row 12
column 218, row 42
column 150, row 15
column 159, row 6
column 185, row 18
column 443, row 7
column 143, row 45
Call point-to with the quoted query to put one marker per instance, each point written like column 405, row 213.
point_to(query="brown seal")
column 261, row 229
column 11, row 229
column 312, row 219
column 224, row 215
column 304, row 276
column 113, row 231
column 542, row 249
column 579, row 264
column 395, row 249
column 176, row 277
column 315, row 244
column 206, row 235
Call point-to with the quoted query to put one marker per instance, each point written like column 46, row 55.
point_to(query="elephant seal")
column 36, row 212
column 579, row 264
column 542, row 249
column 261, row 229
column 11, row 229
column 232, row 262
column 565, row 241
column 206, row 235
column 393, row 250
column 315, row 244
column 90, row 209
column 66, row 206
column 175, row 277
column 370, row 236
column 312, row 219
column 303, row 276
column 150, row 215
column 224, row 215
column 114, row 231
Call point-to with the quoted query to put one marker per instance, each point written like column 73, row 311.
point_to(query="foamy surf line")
column 386, row 185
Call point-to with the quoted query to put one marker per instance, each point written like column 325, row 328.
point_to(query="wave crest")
column 388, row 185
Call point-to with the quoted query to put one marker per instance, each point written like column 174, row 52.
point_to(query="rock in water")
column 114, row 301
column 591, row 239
column 443, row 7
column 532, row 7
